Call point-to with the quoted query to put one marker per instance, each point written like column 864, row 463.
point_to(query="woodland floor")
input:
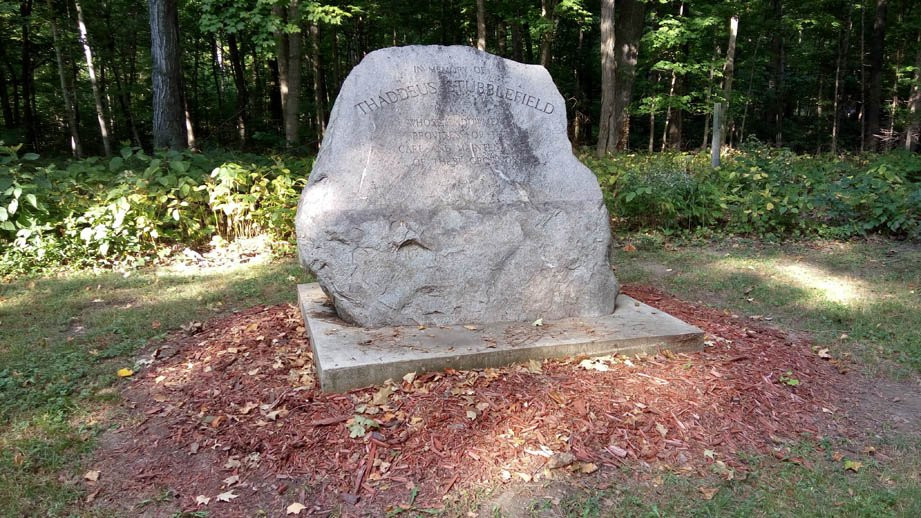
column 227, row 419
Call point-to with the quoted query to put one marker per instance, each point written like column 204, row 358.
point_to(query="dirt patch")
column 234, row 410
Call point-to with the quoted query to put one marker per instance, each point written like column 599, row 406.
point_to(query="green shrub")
column 130, row 207
column 764, row 191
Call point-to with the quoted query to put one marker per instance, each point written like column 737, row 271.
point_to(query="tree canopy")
column 79, row 76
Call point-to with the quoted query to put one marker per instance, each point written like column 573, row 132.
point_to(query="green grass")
column 860, row 297
column 62, row 339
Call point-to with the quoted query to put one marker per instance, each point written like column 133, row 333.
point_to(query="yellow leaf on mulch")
column 124, row 373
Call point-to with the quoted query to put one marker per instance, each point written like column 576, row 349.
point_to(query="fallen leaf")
column 598, row 365
column 709, row 454
column 232, row 463
column 524, row 476
column 534, row 367
column 381, row 396
column 837, row 456
column 248, row 407
column 193, row 448
column 226, row 496
column 409, row 378
column 823, row 353
column 92, row 475
column 295, row 508
column 124, row 372
column 155, row 324
column 561, row 460
column 471, row 414
column 92, row 496
column 202, row 500
column 229, row 481
column 708, row 492
column 588, row 467
column 538, row 322
column 629, row 248
column 852, row 465
column 471, row 328
column 662, row 429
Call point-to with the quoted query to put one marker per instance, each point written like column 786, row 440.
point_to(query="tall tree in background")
column 728, row 70
column 169, row 129
column 66, row 90
column 607, row 126
column 480, row 25
column 621, row 29
column 94, row 83
column 913, row 133
column 288, row 41
column 27, row 76
column 875, row 92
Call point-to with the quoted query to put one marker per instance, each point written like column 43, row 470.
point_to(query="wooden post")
column 717, row 135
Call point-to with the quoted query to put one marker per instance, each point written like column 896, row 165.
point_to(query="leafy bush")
column 762, row 190
column 132, row 206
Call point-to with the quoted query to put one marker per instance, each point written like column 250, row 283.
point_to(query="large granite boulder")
column 446, row 192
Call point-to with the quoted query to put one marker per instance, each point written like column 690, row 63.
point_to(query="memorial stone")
column 446, row 192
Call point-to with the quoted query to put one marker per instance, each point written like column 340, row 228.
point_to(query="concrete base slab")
column 348, row 356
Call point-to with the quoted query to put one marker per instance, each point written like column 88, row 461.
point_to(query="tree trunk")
column 627, row 32
column 728, row 70
column 480, row 25
column 517, row 43
column 288, row 50
column 875, row 94
column 318, row 96
column 91, row 70
column 840, row 64
column 546, row 38
column 607, row 129
column 168, row 114
column 8, row 121
column 913, row 133
column 27, row 71
column 75, row 147
column 619, row 48
column 216, row 68
column 874, row 101
column 717, row 136
column 239, row 79
column 778, row 90
column 501, row 34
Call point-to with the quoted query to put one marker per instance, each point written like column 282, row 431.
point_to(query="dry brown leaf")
column 295, row 508
column 708, row 492
column 92, row 475
column 202, row 500
column 226, row 496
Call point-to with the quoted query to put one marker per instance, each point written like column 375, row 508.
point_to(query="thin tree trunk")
column 778, row 105
column 239, row 79
column 707, row 100
column 717, row 135
column 75, row 147
column 546, row 38
column 168, row 116
column 840, row 63
column 874, row 103
column 5, row 99
column 517, row 44
column 728, row 70
column 913, row 133
column 216, row 73
column 318, row 97
column 894, row 103
column 863, row 80
column 607, row 129
column 528, row 43
column 480, row 25
column 501, row 44
column 91, row 70
column 748, row 94
column 27, row 70
column 668, row 110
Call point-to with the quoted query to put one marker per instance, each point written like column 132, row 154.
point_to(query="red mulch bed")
column 238, row 398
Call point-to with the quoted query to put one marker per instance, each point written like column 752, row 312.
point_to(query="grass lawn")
column 62, row 339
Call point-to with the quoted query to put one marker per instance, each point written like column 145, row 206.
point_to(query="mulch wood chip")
column 232, row 406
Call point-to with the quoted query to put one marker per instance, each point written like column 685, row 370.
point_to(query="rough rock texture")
column 446, row 192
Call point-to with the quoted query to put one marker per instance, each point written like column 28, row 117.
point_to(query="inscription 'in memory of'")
column 454, row 87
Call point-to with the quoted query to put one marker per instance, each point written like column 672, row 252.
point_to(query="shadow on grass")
column 62, row 340
column 861, row 298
